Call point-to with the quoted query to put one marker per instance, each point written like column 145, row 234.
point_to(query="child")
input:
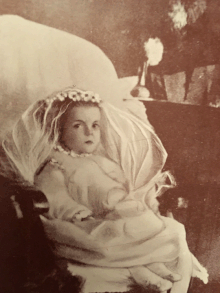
column 110, row 201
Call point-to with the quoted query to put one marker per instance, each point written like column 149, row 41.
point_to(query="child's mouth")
column 89, row 142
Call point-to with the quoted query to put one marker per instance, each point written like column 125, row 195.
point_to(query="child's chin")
column 89, row 149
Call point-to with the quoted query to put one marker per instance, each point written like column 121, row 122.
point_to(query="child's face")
column 81, row 129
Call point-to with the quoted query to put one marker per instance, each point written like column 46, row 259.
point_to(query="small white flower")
column 97, row 98
column 72, row 95
column 154, row 51
column 182, row 203
column 178, row 16
column 59, row 148
column 60, row 97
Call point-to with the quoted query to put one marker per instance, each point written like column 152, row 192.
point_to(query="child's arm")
column 120, row 202
column 129, row 208
column 118, row 197
column 52, row 183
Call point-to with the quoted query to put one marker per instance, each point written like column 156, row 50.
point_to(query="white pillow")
column 37, row 60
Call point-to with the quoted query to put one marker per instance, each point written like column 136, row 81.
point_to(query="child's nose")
column 88, row 130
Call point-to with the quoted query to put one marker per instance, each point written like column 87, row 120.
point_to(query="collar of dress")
column 71, row 153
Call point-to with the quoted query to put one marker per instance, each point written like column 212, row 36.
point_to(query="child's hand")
column 68, row 210
column 129, row 208
column 83, row 215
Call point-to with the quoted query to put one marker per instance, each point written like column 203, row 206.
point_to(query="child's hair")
column 54, row 118
column 38, row 131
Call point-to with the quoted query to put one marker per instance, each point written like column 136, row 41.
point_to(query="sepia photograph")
column 110, row 146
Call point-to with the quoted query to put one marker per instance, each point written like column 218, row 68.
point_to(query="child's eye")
column 76, row 126
column 95, row 125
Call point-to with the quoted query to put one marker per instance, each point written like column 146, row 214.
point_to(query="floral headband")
column 75, row 95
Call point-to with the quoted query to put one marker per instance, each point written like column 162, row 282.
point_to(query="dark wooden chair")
column 27, row 264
